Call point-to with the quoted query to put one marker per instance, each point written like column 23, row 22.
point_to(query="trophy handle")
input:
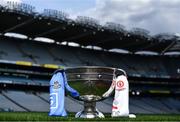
column 109, row 91
column 113, row 84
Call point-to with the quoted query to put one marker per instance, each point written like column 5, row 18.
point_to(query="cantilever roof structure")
column 53, row 24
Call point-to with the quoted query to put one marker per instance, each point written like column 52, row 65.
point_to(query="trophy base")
column 90, row 111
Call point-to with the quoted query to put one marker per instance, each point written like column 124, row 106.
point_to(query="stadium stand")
column 22, row 101
column 10, row 52
column 37, row 53
column 26, row 65
column 65, row 56
column 74, row 56
column 7, row 105
column 27, row 100
column 41, row 53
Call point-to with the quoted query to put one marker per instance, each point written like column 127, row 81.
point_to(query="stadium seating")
column 7, row 105
column 14, row 79
column 27, row 101
column 10, row 52
column 37, row 52
column 64, row 55
column 41, row 53
column 38, row 101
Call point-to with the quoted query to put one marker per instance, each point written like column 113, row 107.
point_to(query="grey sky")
column 157, row 16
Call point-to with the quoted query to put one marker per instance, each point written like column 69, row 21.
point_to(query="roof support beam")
column 18, row 25
column 105, row 40
column 48, row 32
column 77, row 36
column 168, row 47
column 51, row 30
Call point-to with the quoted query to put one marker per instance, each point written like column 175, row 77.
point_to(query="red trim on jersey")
column 114, row 107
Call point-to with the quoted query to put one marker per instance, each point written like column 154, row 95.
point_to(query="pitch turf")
column 36, row 116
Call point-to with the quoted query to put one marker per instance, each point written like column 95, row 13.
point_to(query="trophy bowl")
column 91, row 82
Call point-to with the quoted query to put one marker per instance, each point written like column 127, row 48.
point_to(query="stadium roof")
column 22, row 18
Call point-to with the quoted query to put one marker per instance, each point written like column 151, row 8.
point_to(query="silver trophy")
column 92, row 82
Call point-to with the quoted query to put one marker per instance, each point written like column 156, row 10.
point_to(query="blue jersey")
column 58, row 84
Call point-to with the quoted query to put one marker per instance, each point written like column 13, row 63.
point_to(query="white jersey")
column 120, row 105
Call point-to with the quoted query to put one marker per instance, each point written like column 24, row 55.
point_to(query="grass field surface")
column 39, row 116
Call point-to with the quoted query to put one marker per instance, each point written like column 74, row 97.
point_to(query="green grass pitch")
column 40, row 116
